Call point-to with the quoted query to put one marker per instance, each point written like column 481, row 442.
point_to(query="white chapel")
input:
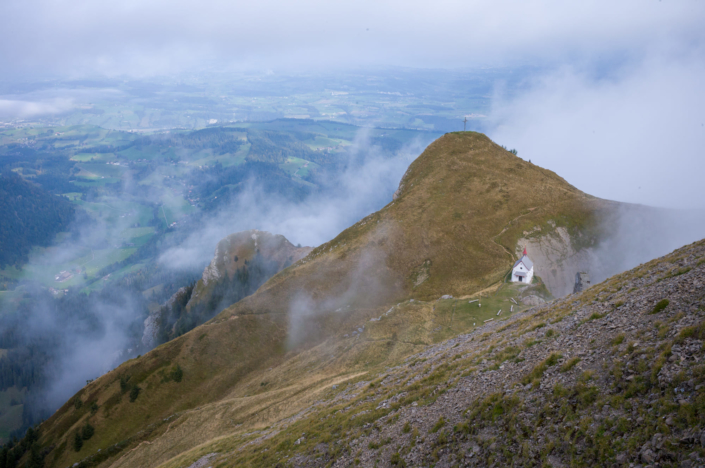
column 523, row 270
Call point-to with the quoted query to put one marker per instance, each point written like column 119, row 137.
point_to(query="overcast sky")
column 139, row 37
column 637, row 135
column 618, row 109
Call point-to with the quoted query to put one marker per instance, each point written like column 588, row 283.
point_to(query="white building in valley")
column 523, row 270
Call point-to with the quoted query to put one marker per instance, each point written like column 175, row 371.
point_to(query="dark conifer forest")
column 30, row 216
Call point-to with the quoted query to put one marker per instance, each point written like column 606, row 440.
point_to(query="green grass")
column 536, row 374
column 93, row 170
column 595, row 316
column 177, row 208
column 91, row 262
column 568, row 365
column 321, row 141
column 73, row 196
column 454, row 316
column 206, row 158
column 660, row 305
column 134, row 154
column 107, row 257
column 131, row 234
column 11, row 272
column 298, row 167
column 94, row 181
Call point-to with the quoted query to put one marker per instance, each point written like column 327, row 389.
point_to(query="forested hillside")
column 30, row 216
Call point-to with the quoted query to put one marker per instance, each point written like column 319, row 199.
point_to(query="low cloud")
column 366, row 185
column 638, row 234
column 155, row 36
column 87, row 336
column 27, row 109
column 634, row 133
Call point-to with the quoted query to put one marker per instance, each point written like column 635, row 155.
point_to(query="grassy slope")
column 603, row 378
column 462, row 205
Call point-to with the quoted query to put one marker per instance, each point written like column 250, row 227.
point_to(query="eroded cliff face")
column 622, row 237
column 241, row 263
column 556, row 259
column 238, row 250
column 152, row 324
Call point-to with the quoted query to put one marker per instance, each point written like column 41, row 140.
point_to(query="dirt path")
column 531, row 210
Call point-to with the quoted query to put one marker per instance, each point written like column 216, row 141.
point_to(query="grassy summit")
column 354, row 304
column 452, row 228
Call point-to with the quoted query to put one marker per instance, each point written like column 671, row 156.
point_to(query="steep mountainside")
column 452, row 228
column 343, row 311
column 613, row 376
column 238, row 251
column 241, row 264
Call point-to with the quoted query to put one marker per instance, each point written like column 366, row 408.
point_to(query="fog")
column 367, row 282
column 634, row 134
column 24, row 109
column 639, row 234
column 141, row 38
column 91, row 343
column 367, row 183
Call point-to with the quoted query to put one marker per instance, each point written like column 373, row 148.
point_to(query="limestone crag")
column 237, row 250
column 151, row 323
column 556, row 260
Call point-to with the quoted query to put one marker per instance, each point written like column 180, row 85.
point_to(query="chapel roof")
column 526, row 261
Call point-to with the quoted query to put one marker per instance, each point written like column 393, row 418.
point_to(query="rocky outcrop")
column 618, row 239
column 152, row 322
column 255, row 255
column 556, row 260
column 582, row 281
column 238, row 250
column 532, row 300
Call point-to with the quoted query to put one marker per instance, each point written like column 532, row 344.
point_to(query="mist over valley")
column 436, row 235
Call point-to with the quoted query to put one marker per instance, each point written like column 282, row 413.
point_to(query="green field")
column 323, row 142
column 134, row 233
column 299, row 167
column 457, row 315
column 159, row 175
column 206, row 158
column 73, row 196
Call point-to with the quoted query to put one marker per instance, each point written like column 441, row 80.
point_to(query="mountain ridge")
column 362, row 301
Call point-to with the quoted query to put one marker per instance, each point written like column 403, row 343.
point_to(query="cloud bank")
column 25, row 109
column 150, row 37
column 365, row 186
column 635, row 133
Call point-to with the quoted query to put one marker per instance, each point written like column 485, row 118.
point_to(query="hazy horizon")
column 608, row 96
